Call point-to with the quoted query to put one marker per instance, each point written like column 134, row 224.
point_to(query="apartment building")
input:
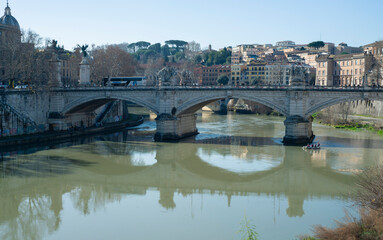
column 237, row 74
column 248, row 73
column 210, row 74
column 255, row 73
column 341, row 70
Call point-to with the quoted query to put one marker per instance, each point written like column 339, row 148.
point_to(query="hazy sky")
column 217, row 22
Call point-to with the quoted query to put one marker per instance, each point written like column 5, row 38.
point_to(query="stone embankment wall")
column 23, row 112
column 372, row 108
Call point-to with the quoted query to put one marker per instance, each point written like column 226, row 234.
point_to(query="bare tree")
column 193, row 47
column 111, row 61
column 31, row 37
column 151, row 71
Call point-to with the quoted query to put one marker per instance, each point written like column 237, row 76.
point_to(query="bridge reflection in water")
column 32, row 186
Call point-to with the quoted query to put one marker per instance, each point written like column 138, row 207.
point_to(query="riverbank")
column 352, row 123
column 53, row 136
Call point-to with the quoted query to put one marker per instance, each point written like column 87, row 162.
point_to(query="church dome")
column 8, row 19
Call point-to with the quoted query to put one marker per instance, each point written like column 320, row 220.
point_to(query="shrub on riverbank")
column 369, row 225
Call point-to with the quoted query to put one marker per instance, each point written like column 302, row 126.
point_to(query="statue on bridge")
column 166, row 76
column 83, row 50
column 185, row 77
column 299, row 76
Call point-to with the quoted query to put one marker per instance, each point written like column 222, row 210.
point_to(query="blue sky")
column 217, row 22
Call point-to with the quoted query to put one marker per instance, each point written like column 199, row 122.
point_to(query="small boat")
column 243, row 109
column 312, row 147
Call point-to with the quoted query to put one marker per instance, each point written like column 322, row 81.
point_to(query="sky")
column 217, row 22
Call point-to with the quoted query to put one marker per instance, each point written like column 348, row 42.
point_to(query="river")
column 125, row 186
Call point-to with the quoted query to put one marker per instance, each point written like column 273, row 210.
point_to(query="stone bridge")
column 176, row 106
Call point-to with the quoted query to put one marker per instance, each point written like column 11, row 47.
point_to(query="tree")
column 198, row 59
column 156, row 47
column 132, row 47
column 193, row 46
column 142, row 44
column 111, row 61
column 31, row 37
column 165, row 51
column 18, row 56
column 223, row 80
column 177, row 44
column 217, row 57
column 316, row 44
column 151, row 71
column 179, row 56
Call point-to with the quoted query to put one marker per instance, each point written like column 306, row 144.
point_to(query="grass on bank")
column 351, row 125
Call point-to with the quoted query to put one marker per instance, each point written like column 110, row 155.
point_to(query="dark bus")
column 124, row 81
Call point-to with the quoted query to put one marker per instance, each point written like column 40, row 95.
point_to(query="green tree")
column 179, row 56
column 165, row 51
column 132, row 47
column 177, row 44
column 316, row 45
column 223, row 80
column 216, row 57
column 142, row 44
column 198, row 59
column 156, row 47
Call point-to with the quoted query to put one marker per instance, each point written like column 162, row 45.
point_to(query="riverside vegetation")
column 369, row 199
column 338, row 116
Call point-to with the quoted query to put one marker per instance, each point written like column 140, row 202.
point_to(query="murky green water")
column 124, row 186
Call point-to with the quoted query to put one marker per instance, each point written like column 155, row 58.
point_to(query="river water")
column 125, row 186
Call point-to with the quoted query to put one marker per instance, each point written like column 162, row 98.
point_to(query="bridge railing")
column 257, row 87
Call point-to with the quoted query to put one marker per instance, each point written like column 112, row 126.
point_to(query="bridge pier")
column 298, row 131
column 55, row 120
column 171, row 128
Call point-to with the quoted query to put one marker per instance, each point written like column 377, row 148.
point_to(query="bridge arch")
column 98, row 101
column 334, row 101
column 194, row 104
